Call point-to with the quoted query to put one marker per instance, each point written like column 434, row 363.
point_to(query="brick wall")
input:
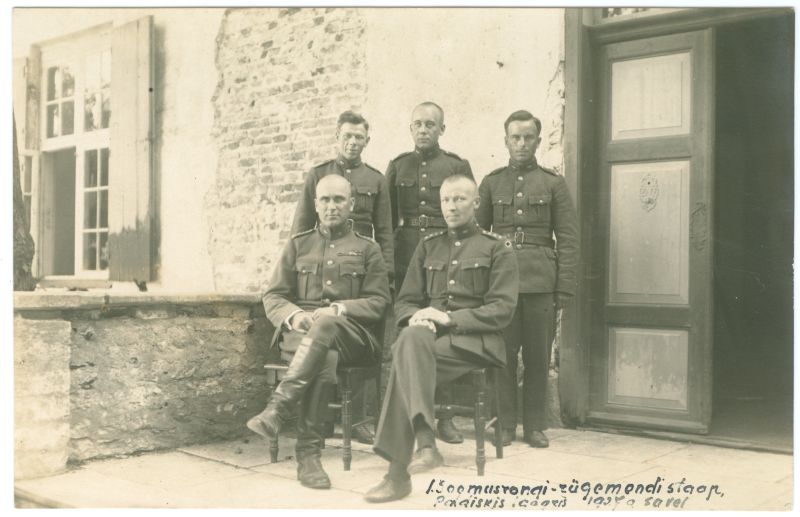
column 284, row 75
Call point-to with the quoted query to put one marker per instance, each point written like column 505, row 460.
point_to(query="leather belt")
column 364, row 228
column 520, row 237
column 424, row 221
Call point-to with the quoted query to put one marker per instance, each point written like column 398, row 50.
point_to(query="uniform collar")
column 429, row 153
column 336, row 233
column 524, row 167
column 462, row 232
column 346, row 164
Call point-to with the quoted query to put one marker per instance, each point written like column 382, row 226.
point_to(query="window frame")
column 73, row 50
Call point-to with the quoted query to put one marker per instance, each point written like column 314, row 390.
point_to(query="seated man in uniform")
column 457, row 297
column 328, row 291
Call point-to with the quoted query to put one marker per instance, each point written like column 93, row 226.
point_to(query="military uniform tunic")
column 472, row 275
column 414, row 180
column 529, row 204
column 319, row 267
column 371, row 214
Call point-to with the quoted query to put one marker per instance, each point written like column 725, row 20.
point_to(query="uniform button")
column 449, row 296
column 422, row 230
column 326, row 300
column 423, row 203
column 455, row 262
column 476, row 264
column 519, row 246
column 519, row 194
column 458, row 243
column 348, row 171
column 330, row 262
column 541, row 201
column 424, row 164
column 422, row 189
column 519, row 228
column 519, row 211
column 452, row 282
column 519, row 178
column 332, row 246
column 424, row 175
column 328, row 282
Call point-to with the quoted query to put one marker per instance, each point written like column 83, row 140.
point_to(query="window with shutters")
column 87, row 169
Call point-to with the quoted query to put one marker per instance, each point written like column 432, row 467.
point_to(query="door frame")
column 584, row 31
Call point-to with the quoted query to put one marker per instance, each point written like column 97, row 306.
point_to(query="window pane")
column 104, row 167
column 103, row 250
column 90, row 210
column 104, row 209
column 52, row 83
column 91, row 112
column 106, row 107
column 68, row 83
column 90, row 169
column 53, row 121
column 68, row 118
column 27, row 177
column 90, row 251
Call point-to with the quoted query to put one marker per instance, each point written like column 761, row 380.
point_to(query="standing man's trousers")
column 533, row 330
column 420, row 362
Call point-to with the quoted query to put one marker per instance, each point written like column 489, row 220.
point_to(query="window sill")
column 91, row 300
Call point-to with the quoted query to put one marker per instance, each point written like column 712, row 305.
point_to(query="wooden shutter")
column 131, row 207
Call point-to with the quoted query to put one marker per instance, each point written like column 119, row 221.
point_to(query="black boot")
column 309, row 436
column 307, row 361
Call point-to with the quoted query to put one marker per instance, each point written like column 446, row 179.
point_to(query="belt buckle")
column 519, row 237
column 423, row 221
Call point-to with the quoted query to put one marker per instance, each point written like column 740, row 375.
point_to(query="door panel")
column 651, row 343
column 648, row 248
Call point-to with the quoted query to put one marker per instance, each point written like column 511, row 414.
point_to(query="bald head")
column 334, row 200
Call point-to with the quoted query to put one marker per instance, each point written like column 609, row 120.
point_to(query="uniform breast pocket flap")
column 476, row 273
column 403, row 181
column 502, row 209
column 365, row 196
column 435, row 276
column 540, row 199
column 352, row 270
column 305, row 272
column 306, row 267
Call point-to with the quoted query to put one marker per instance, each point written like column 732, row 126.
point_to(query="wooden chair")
column 346, row 375
column 481, row 379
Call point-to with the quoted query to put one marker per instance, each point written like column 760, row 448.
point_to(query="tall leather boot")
column 307, row 361
column 309, row 436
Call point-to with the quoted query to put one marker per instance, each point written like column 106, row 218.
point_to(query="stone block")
column 41, row 390
column 163, row 383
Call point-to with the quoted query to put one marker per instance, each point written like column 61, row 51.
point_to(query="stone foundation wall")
column 115, row 378
column 41, row 396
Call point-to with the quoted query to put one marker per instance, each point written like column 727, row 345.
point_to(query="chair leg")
column 498, row 423
column 273, row 449
column 480, row 453
column 347, row 421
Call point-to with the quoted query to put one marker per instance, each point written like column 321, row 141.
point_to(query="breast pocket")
column 435, row 277
column 407, row 192
column 365, row 198
column 352, row 277
column 502, row 210
column 306, row 279
column 539, row 209
column 475, row 274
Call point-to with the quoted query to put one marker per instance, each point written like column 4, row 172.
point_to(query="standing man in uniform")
column 528, row 204
column 326, row 296
column 414, row 180
column 371, row 214
column 458, row 296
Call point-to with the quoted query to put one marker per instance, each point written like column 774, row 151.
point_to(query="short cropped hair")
column 351, row 117
column 523, row 116
column 455, row 178
column 431, row 104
